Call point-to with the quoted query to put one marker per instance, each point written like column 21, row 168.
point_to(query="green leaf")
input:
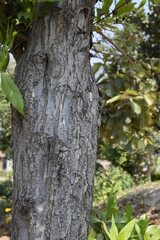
column 147, row 236
column 131, row 92
column 126, row 232
column 154, row 232
column 147, row 88
column 113, row 230
column 151, row 229
column 121, row 219
column 25, row 14
column 106, row 230
column 94, row 219
column 12, row 93
column 4, row 58
column 100, row 237
column 129, row 211
column 154, row 85
column 98, row 17
column 96, row 67
column 138, row 230
column 122, row 7
column 156, row 235
column 112, row 207
column 143, row 2
column 91, row 235
column 110, row 92
column 99, row 47
column 114, row 99
column 142, row 143
column 135, row 106
column 106, row 5
column 142, row 121
column 149, row 99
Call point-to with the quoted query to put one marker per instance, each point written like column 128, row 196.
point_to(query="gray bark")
column 55, row 144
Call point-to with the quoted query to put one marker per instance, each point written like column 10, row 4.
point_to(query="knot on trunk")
column 25, row 206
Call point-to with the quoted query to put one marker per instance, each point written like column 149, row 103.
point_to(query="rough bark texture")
column 55, row 144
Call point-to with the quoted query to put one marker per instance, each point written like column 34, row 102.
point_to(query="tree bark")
column 55, row 143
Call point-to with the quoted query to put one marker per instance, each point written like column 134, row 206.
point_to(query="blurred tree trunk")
column 55, row 144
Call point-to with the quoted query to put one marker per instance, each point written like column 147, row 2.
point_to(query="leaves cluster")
column 5, row 125
column 136, row 163
column 111, row 224
column 109, row 182
column 130, row 87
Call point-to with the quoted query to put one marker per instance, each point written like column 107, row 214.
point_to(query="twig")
column 120, row 50
column 104, row 52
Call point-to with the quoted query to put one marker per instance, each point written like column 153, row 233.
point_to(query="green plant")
column 6, row 188
column 5, row 125
column 112, row 224
column 155, row 176
column 113, row 181
column 135, row 162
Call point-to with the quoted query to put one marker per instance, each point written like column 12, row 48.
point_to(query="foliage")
column 130, row 88
column 130, row 105
column 150, row 45
column 5, row 125
column 117, row 156
column 6, row 188
column 155, row 176
column 111, row 223
column 113, row 181
column 12, row 92
column 135, row 162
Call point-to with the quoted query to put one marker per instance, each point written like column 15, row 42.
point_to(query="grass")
column 6, row 175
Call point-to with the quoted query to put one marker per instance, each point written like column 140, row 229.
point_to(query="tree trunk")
column 55, row 143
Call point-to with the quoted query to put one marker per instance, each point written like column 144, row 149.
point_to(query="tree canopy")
column 128, row 81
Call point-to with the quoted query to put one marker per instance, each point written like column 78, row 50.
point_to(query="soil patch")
column 144, row 199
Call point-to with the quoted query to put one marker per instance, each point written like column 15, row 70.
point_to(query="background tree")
column 129, row 86
column 150, row 45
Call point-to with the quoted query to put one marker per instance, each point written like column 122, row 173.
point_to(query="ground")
column 144, row 199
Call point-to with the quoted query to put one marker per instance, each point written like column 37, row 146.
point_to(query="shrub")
column 155, row 176
column 113, row 181
column 133, row 162
column 6, row 188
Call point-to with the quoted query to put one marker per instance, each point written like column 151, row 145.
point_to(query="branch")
column 108, row 53
column 120, row 50
column 113, row 12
